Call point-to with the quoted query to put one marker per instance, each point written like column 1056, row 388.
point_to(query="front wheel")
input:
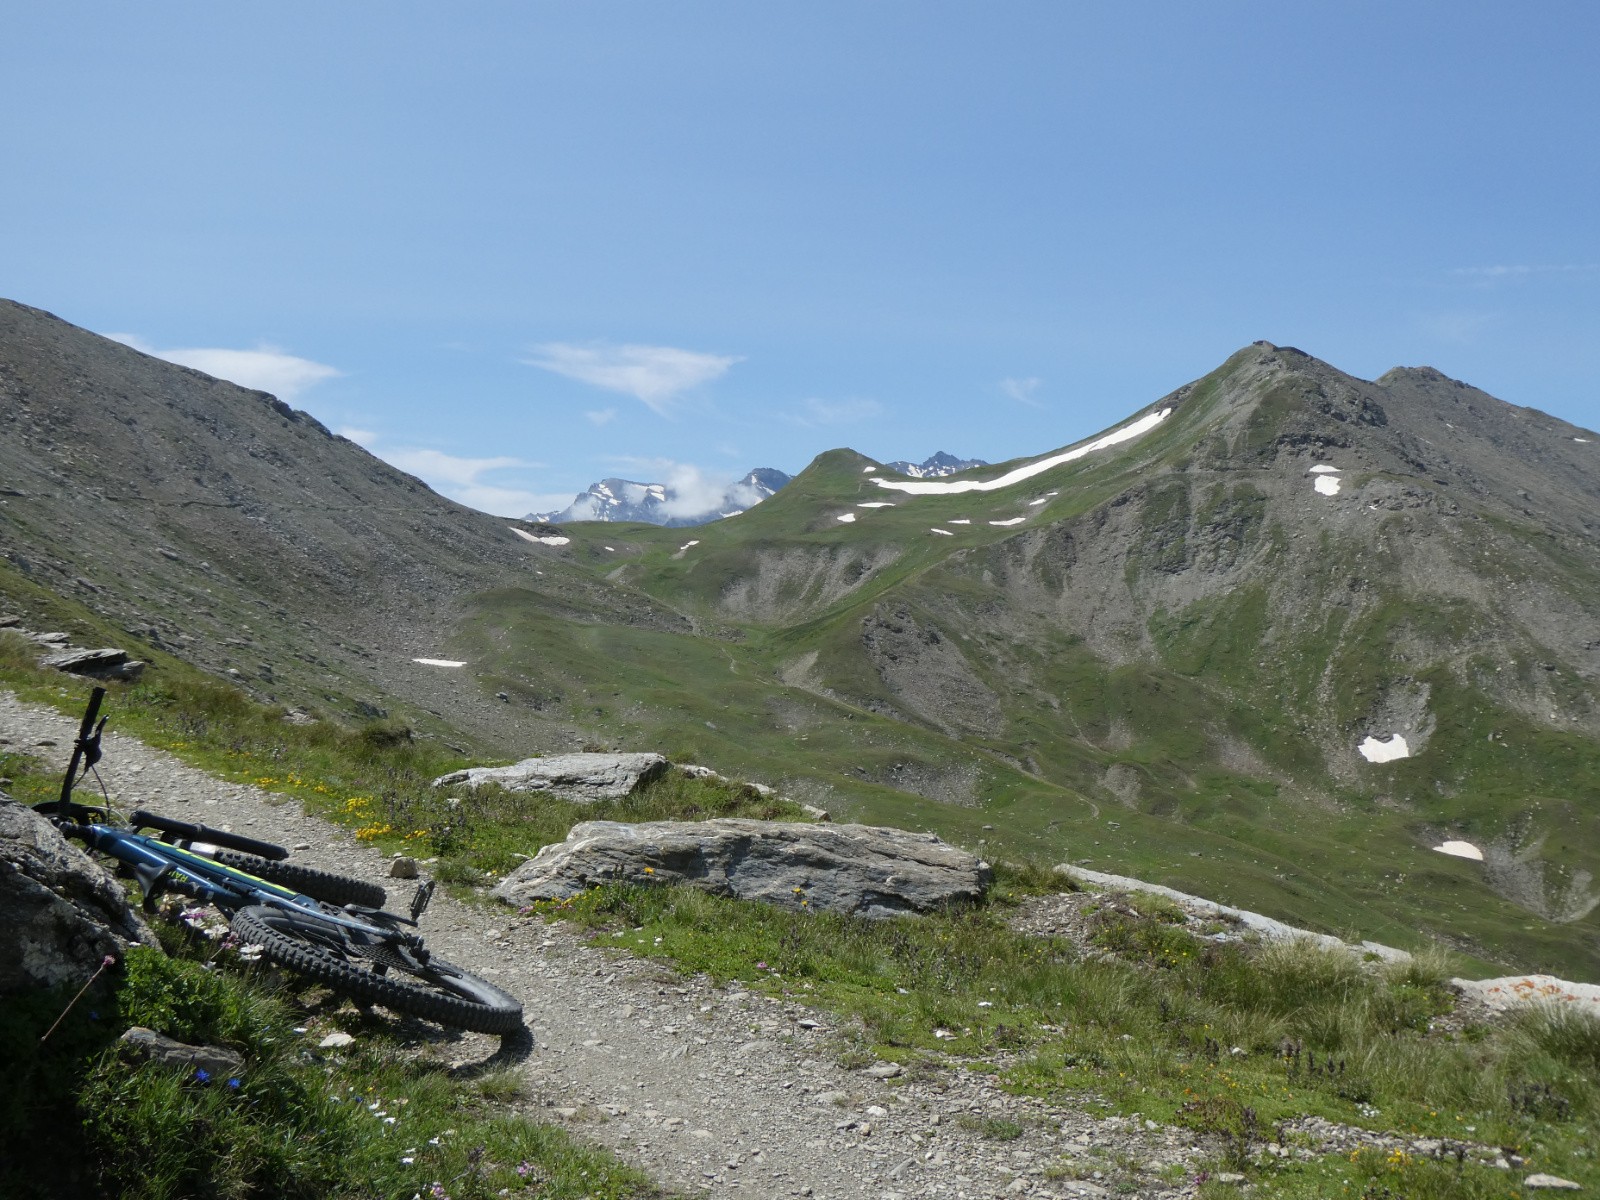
column 374, row 971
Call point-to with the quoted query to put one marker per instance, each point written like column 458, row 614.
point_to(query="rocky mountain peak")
column 663, row 504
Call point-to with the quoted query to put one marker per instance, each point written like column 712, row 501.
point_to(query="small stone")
column 336, row 1041
column 147, row 1044
column 1229, row 1177
column 831, row 1097
column 885, row 1070
column 1551, row 1183
column 403, row 867
column 566, row 1114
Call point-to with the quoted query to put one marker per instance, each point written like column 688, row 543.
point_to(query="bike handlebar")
column 204, row 833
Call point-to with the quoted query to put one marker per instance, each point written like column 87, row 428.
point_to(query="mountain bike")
column 326, row 927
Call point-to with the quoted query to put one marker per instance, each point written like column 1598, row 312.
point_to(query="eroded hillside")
column 1189, row 649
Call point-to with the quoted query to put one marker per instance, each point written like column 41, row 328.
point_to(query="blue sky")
column 515, row 247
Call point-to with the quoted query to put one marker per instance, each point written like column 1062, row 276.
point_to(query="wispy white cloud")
column 692, row 491
column 266, row 368
column 1023, row 391
column 656, row 375
column 814, row 412
column 465, row 479
column 602, row 416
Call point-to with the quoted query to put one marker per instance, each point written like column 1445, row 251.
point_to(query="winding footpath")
column 711, row 1090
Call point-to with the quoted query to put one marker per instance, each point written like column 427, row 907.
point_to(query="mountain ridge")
column 624, row 500
column 1161, row 655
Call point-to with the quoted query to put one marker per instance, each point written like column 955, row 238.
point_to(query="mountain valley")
column 1269, row 641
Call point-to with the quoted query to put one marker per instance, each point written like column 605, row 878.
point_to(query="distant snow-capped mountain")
column 661, row 503
column 936, row 466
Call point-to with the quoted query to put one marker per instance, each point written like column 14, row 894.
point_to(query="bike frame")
column 210, row 882
column 157, row 863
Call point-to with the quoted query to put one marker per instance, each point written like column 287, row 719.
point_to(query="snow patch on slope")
column 1460, row 850
column 928, row 487
column 1375, row 751
column 541, row 539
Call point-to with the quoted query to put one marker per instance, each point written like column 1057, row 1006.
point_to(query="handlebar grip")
column 203, row 833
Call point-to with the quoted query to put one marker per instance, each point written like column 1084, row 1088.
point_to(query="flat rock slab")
column 1521, row 991
column 859, row 869
column 1268, row 929
column 106, row 663
column 584, row 778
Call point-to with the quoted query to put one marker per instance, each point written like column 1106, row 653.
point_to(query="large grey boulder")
column 60, row 912
column 861, row 869
column 583, row 778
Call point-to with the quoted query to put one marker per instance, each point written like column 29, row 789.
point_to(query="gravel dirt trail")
column 710, row 1089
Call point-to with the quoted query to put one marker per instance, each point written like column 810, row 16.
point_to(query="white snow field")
column 847, row 517
column 959, row 521
column 1012, row 521
column 1375, row 751
column 946, row 532
column 438, row 662
column 547, row 540
column 690, row 542
column 876, row 504
column 934, row 487
column 1461, row 850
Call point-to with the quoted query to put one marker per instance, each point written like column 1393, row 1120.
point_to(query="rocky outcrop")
column 1267, row 929
column 859, row 869
column 60, row 913
column 106, row 663
column 582, row 778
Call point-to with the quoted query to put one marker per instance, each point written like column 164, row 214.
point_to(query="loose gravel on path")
column 710, row 1089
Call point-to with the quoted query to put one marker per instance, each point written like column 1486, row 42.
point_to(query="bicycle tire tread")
column 504, row 1016
column 319, row 885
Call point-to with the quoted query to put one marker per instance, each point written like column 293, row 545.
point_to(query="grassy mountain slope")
column 1164, row 668
column 1169, row 665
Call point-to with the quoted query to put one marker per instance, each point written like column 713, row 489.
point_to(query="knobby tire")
column 450, row 997
column 319, row 885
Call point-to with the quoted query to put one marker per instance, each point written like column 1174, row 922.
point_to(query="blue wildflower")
column 202, row 1075
column 234, row 1084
